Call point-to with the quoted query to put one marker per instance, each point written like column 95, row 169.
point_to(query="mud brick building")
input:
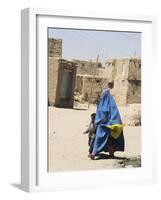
column 89, row 86
column 80, row 79
column 61, row 76
column 125, row 75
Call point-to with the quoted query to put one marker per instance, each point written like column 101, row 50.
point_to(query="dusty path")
column 68, row 147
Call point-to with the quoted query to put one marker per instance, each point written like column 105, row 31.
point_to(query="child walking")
column 91, row 133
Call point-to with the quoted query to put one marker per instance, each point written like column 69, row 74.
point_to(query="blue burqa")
column 107, row 114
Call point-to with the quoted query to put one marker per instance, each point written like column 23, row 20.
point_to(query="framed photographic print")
column 86, row 108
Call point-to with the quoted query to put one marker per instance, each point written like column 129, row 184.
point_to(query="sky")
column 88, row 44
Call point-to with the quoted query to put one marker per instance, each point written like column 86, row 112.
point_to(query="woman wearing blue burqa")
column 109, row 132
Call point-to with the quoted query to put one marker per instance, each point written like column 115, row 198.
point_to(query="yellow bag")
column 115, row 130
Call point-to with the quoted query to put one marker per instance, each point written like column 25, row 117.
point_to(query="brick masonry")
column 92, row 78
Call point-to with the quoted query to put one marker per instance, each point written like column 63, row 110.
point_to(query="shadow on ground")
column 106, row 156
column 131, row 162
column 124, row 162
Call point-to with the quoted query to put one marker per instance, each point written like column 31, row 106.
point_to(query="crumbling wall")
column 134, row 69
column 120, row 91
column 53, row 67
column 134, row 81
column 89, row 87
column 55, row 48
column 134, row 91
column 87, row 67
column 56, row 69
column 54, row 54
column 125, row 74
column 117, row 69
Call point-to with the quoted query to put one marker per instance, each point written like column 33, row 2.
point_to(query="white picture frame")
column 34, row 175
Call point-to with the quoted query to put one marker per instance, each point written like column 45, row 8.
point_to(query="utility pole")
column 94, row 74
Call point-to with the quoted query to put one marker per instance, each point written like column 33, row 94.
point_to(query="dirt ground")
column 68, row 147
